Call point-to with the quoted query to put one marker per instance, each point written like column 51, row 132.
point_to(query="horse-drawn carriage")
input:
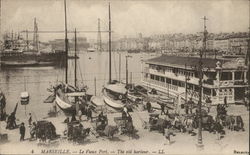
column 231, row 122
column 160, row 122
column 45, row 131
column 76, row 132
column 156, row 123
column 125, row 126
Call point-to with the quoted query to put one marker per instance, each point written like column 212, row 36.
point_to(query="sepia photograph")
column 124, row 77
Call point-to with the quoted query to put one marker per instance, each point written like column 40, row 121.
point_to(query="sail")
column 14, row 111
column 50, row 99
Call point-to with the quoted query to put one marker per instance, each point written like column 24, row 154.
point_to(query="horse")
column 110, row 131
column 159, row 124
column 232, row 122
column 130, row 130
column 179, row 123
column 206, row 122
column 188, row 123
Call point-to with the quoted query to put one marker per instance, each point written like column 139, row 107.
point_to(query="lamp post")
column 200, row 145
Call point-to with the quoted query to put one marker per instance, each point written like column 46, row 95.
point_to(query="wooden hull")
column 66, row 107
column 97, row 101
column 116, row 104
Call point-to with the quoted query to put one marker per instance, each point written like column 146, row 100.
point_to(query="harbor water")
column 90, row 66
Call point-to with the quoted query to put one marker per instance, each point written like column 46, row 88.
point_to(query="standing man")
column 190, row 105
column 33, row 130
column 162, row 109
column 89, row 113
column 2, row 106
column 30, row 119
column 148, row 105
column 208, row 103
column 22, row 131
column 225, row 101
column 186, row 107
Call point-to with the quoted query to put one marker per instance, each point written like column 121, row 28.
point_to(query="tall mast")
column 35, row 37
column 205, row 38
column 99, row 37
column 0, row 19
column 75, row 59
column 66, row 41
column 27, row 40
column 109, row 46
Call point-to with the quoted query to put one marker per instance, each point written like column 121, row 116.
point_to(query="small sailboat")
column 68, row 97
column 114, row 93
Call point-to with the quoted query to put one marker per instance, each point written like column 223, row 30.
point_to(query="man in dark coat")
column 208, row 104
column 162, row 109
column 89, row 113
column 30, row 119
column 22, row 132
column 73, row 117
column 102, row 120
column 11, row 121
column 225, row 101
column 2, row 106
column 190, row 105
column 148, row 105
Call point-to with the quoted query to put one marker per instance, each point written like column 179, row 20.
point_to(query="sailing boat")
column 114, row 93
column 66, row 96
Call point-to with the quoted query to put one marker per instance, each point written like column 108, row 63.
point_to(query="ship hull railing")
column 176, row 90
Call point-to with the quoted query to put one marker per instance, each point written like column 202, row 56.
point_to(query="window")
column 152, row 77
column 226, row 76
column 175, row 82
column 189, row 86
column 168, row 80
column 207, row 91
column 162, row 79
column 214, row 92
column 239, row 75
column 181, row 84
column 157, row 78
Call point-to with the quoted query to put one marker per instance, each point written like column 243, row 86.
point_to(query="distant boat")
column 90, row 50
column 73, row 57
column 134, row 51
column 233, row 55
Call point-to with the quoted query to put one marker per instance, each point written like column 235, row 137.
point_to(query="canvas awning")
column 117, row 88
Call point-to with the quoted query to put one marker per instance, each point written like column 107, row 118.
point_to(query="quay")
column 150, row 141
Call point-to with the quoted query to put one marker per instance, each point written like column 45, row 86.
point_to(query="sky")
column 129, row 17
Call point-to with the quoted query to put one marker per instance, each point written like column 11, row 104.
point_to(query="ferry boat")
column 178, row 76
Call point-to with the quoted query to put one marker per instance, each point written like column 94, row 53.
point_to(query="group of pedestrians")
column 32, row 126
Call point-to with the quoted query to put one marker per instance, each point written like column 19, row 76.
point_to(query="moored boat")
column 114, row 95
